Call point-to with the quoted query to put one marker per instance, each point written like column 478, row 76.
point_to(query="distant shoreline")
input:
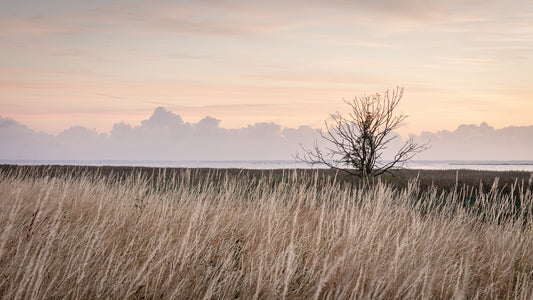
column 486, row 165
column 441, row 179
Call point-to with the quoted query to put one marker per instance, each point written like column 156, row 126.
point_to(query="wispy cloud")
column 244, row 17
column 474, row 61
column 35, row 26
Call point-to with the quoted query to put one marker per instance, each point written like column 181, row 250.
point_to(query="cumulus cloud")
column 165, row 136
column 20, row 142
column 479, row 142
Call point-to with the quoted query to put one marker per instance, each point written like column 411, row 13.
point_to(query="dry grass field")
column 215, row 235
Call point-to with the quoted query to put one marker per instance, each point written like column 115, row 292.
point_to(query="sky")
column 95, row 63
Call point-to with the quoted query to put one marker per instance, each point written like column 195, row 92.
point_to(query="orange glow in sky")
column 66, row 63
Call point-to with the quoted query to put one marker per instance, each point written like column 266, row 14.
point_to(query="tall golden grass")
column 225, row 236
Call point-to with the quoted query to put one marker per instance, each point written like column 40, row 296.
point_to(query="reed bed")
column 294, row 236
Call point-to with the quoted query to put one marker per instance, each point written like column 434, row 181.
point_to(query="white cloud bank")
column 165, row 136
column 483, row 142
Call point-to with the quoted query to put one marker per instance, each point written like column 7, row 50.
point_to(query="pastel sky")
column 93, row 63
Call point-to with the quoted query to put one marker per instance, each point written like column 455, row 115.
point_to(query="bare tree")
column 356, row 142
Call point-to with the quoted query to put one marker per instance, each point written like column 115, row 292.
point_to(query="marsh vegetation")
column 222, row 234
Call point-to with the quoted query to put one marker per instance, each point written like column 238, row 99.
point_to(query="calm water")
column 282, row 164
